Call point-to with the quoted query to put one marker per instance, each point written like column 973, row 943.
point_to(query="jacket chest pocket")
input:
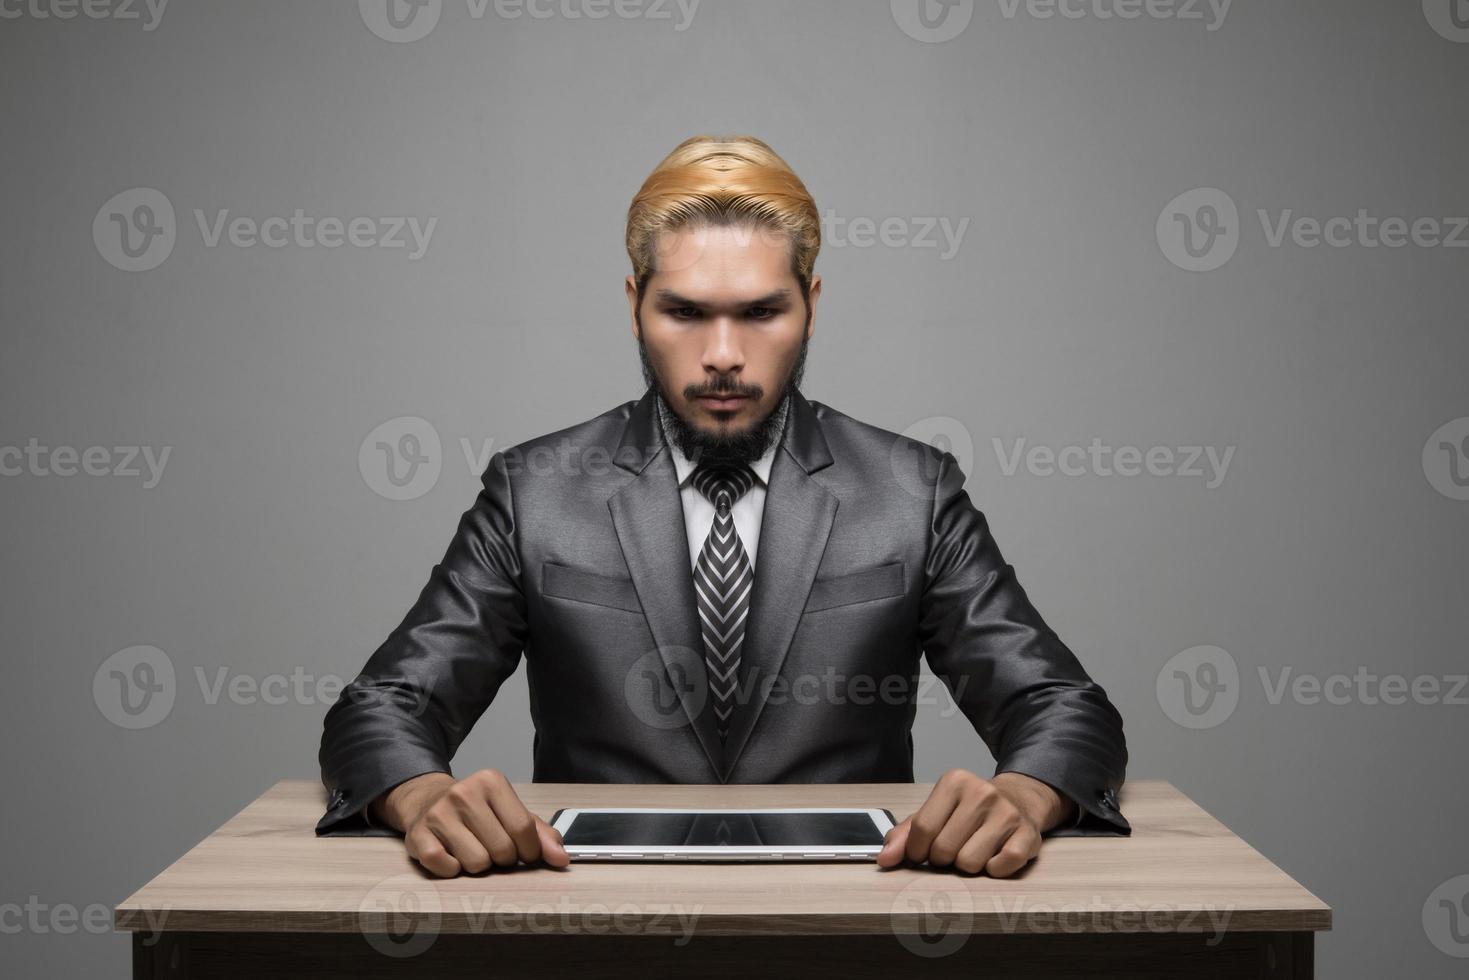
column 844, row 590
column 565, row 582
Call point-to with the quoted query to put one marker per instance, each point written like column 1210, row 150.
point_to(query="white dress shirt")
column 698, row 510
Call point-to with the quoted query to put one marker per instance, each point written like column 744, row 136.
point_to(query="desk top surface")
column 266, row 871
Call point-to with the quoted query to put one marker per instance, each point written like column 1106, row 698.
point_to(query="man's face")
column 722, row 330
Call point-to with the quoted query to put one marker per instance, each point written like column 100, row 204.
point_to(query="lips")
column 723, row 402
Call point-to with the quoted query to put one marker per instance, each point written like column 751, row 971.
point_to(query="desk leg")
column 1302, row 955
column 348, row 956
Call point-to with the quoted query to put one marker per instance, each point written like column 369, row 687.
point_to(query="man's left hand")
column 975, row 824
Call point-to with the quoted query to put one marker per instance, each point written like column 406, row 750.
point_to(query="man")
column 676, row 569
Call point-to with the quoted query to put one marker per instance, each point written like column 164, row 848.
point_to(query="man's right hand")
column 469, row 825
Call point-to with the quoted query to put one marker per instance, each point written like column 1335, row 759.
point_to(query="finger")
column 893, row 844
column 967, row 818
column 481, row 821
column 515, row 818
column 1023, row 845
column 429, row 851
column 459, row 841
column 981, row 846
column 929, row 820
column 553, row 851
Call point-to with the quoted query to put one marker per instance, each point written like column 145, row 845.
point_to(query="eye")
column 683, row 312
column 761, row 313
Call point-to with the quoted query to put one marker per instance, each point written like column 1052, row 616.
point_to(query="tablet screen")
column 733, row 828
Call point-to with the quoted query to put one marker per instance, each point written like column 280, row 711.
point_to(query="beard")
column 724, row 448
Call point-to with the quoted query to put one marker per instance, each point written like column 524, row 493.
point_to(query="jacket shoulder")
column 600, row 430
column 856, row 439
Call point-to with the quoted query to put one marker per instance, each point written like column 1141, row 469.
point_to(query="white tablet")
column 781, row 834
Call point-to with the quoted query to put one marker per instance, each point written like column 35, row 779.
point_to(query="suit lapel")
column 648, row 516
column 797, row 520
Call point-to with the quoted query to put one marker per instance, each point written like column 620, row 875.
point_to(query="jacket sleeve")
column 423, row 689
column 1024, row 691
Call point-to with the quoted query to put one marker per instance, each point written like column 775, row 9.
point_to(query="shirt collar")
column 684, row 467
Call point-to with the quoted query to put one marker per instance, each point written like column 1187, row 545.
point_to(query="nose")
column 723, row 352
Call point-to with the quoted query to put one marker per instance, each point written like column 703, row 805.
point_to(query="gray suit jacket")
column 870, row 556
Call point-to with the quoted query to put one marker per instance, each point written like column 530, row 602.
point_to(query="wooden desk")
column 263, row 897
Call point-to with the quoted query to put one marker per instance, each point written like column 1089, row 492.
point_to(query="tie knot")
column 723, row 483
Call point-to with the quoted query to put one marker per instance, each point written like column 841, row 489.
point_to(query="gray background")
column 265, row 550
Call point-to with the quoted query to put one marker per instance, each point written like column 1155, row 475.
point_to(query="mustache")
column 727, row 387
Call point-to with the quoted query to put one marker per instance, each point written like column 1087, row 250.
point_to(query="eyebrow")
column 770, row 299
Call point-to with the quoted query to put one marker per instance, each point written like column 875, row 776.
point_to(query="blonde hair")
column 723, row 180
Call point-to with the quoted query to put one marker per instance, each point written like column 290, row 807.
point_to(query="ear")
column 631, row 285
column 814, row 294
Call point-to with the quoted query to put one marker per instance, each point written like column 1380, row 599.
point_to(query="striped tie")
column 723, row 578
